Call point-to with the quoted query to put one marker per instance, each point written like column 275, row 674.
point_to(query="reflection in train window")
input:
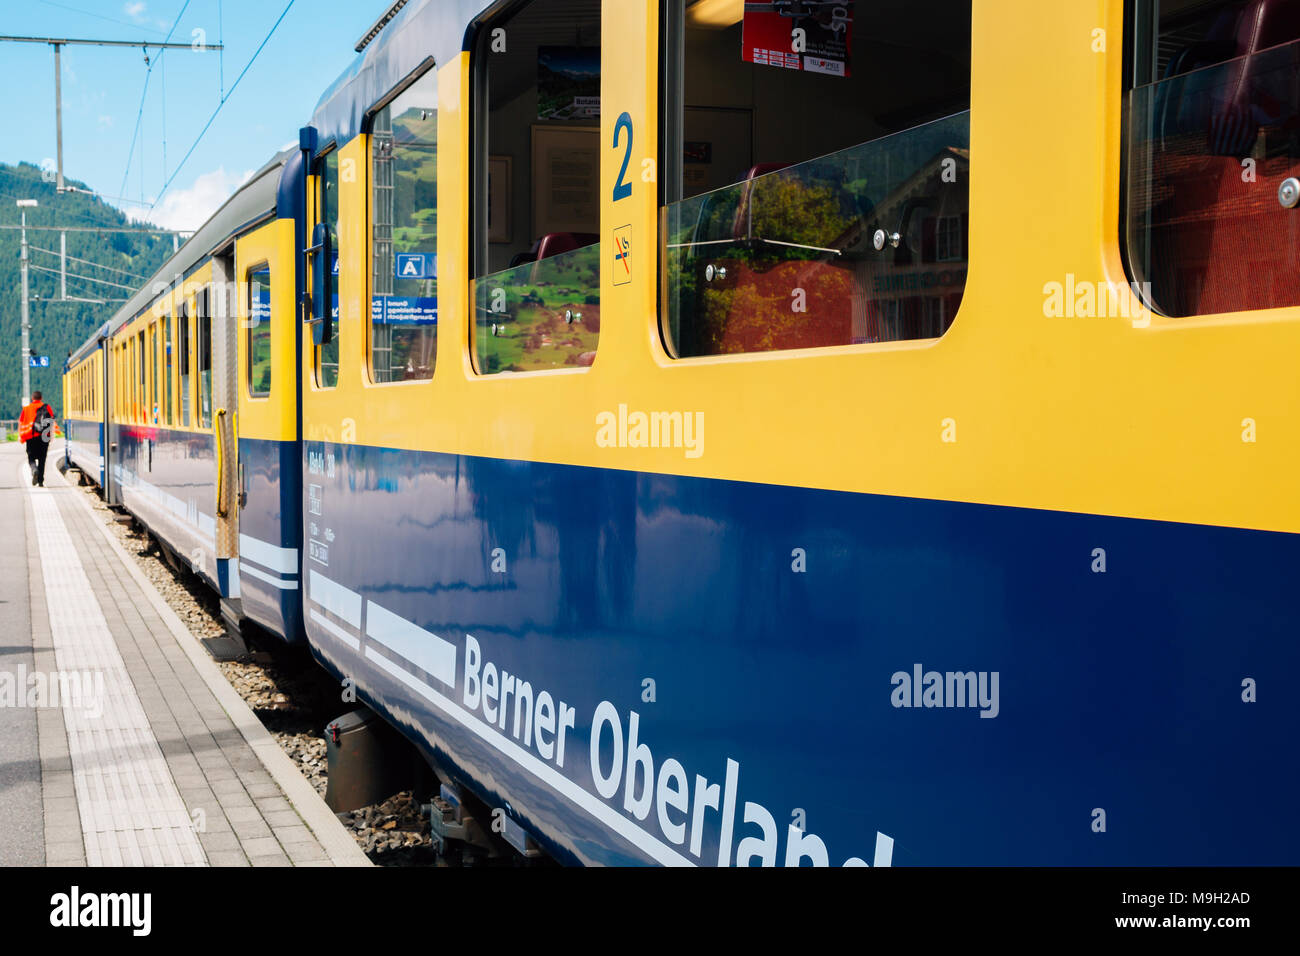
column 169, row 361
column 155, row 374
column 813, row 198
column 327, row 211
column 404, row 224
column 1213, row 133
column 142, row 382
column 183, row 338
column 536, row 296
column 205, row 358
column 259, row 332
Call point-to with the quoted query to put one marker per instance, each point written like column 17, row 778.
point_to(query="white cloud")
column 185, row 210
column 105, row 121
column 134, row 9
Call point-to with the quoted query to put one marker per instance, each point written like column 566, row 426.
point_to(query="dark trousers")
column 37, row 449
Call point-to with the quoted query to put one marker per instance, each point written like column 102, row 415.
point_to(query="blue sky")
column 103, row 86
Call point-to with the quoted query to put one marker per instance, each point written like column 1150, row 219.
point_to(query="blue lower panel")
column 85, row 443
column 269, row 535
column 758, row 657
column 167, row 479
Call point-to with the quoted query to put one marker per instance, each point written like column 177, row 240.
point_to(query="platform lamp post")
column 24, row 205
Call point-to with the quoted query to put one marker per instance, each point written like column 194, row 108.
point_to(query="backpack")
column 43, row 414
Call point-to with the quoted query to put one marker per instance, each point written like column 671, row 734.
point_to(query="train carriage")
column 720, row 433
column 83, row 405
column 218, row 497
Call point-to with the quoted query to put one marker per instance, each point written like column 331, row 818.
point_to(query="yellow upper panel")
column 1140, row 417
column 273, row 417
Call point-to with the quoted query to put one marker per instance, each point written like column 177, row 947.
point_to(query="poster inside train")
column 799, row 35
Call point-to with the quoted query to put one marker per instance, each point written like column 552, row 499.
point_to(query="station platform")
column 121, row 742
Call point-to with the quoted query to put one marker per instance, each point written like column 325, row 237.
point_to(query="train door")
column 114, row 415
column 225, row 402
column 268, row 478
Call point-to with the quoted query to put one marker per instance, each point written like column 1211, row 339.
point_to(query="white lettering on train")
column 626, row 775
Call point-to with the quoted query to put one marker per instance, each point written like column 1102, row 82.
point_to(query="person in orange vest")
column 36, row 429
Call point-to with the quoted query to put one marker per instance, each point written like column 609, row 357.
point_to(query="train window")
column 155, row 410
column 183, row 347
column 327, row 211
column 142, row 385
column 1212, row 117
column 536, row 213
column 404, row 231
column 169, row 361
column 204, row 341
column 259, row 331
column 815, row 173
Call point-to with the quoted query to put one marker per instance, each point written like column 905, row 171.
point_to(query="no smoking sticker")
column 623, row 255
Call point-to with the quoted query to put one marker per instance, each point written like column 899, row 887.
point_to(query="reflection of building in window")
column 1212, row 114
column 948, row 239
column 770, row 242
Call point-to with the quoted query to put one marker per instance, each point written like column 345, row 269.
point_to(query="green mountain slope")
column 57, row 327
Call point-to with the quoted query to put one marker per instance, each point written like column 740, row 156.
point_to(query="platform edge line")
column 334, row 838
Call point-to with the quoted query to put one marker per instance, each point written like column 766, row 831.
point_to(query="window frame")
column 185, row 368
column 262, row 266
column 480, row 157
column 330, row 150
column 155, row 403
column 202, row 315
column 425, row 67
column 142, row 384
column 169, row 361
column 1139, row 60
column 672, row 103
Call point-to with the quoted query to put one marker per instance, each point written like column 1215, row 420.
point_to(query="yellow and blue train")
column 831, row 433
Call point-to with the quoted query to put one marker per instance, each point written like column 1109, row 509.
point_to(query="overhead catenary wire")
column 72, row 275
column 224, row 98
column 139, row 116
column 103, row 230
column 98, row 16
column 54, row 252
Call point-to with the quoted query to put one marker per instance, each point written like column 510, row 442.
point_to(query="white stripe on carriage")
column 270, row 556
column 548, row 775
column 232, row 577
column 206, row 529
column 281, row 583
column 424, row 649
column 348, row 639
column 335, row 598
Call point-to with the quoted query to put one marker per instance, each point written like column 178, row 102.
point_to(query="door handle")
column 222, row 509
column 243, row 489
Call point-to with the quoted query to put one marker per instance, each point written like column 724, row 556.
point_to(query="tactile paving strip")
column 131, row 812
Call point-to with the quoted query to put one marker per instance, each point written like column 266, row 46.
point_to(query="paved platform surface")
column 121, row 743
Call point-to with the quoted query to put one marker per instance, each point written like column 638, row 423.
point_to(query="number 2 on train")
column 622, row 188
